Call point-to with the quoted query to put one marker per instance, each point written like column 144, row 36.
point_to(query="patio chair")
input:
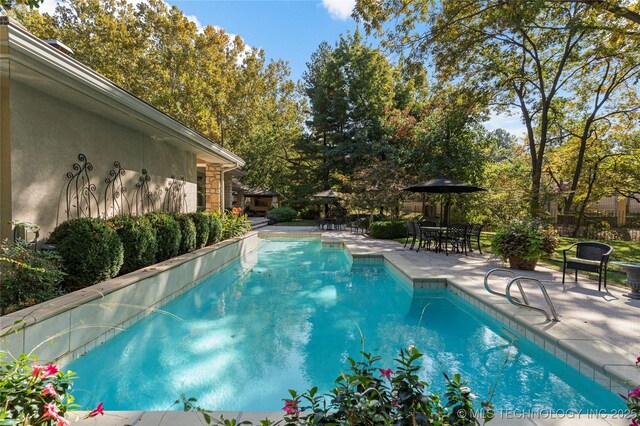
column 319, row 223
column 473, row 232
column 410, row 233
column 427, row 236
column 590, row 257
column 456, row 235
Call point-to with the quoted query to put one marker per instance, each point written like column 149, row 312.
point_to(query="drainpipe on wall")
column 6, row 211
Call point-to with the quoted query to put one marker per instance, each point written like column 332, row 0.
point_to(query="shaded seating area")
column 589, row 257
column 455, row 237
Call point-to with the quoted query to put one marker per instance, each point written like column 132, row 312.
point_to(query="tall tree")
column 533, row 54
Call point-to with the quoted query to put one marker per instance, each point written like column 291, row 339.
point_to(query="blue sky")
column 286, row 29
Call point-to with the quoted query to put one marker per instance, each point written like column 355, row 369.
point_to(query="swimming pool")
column 289, row 316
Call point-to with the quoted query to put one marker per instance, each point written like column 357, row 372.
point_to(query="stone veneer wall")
column 213, row 187
column 67, row 327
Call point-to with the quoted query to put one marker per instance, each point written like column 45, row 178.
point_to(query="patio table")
column 439, row 230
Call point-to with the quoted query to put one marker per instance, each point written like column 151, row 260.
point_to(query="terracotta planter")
column 520, row 263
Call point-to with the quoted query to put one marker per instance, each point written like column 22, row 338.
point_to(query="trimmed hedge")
column 203, row 226
column 188, row 232
column 282, row 214
column 91, row 251
column 138, row 240
column 168, row 235
column 215, row 228
column 387, row 230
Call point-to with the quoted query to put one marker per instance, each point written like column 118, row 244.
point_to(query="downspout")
column 6, row 210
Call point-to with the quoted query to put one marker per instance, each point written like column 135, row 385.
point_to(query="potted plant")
column 523, row 242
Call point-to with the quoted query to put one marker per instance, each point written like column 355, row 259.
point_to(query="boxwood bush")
column 387, row 230
column 138, row 241
column 188, row 232
column 91, row 251
column 215, row 228
column 203, row 227
column 168, row 235
column 282, row 214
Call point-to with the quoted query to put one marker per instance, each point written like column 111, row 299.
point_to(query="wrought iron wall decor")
column 80, row 192
column 81, row 199
column 116, row 193
column 145, row 199
column 175, row 199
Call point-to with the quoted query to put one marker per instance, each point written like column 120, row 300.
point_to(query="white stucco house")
column 73, row 143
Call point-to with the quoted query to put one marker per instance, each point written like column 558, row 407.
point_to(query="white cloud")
column 194, row 19
column 339, row 9
column 511, row 122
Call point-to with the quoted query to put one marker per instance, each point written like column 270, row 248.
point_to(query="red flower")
column 291, row 407
column 635, row 392
column 98, row 410
column 51, row 410
column 48, row 370
column 638, row 360
column 49, row 390
column 386, row 373
column 634, row 422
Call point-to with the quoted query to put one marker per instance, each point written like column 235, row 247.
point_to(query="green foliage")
column 168, row 235
column 27, row 276
column 526, row 239
column 234, row 225
column 187, row 232
column 282, row 214
column 387, row 230
column 33, row 394
column 202, row 223
column 90, row 249
column 215, row 227
column 367, row 395
column 139, row 241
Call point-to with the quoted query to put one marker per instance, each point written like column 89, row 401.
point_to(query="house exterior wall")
column 48, row 134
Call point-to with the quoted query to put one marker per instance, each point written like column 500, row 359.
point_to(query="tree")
column 533, row 55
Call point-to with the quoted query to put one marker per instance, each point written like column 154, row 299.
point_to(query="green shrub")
column 234, row 224
column 188, row 232
column 387, row 230
column 282, row 214
column 168, row 235
column 138, row 240
column 215, row 228
column 308, row 213
column 91, row 251
column 526, row 239
column 28, row 276
column 203, row 227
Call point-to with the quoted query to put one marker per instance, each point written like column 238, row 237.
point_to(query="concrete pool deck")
column 591, row 322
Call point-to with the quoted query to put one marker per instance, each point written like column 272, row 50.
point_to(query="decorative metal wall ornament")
column 116, row 192
column 175, row 196
column 80, row 192
column 145, row 199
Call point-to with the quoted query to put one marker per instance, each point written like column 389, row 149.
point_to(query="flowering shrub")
column 234, row 224
column 35, row 394
column 633, row 402
column 371, row 395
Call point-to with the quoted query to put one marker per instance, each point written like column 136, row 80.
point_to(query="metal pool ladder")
column 524, row 302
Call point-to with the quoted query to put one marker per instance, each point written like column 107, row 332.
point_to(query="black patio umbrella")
column 444, row 186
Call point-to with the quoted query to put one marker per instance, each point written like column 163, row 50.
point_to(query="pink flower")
column 386, row 373
column 62, row 421
column 49, row 390
column 638, row 360
column 98, row 410
column 635, row 392
column 47, row 370
column 395, row 402
column 51, row 410
column 634, row 422
column 291, row 407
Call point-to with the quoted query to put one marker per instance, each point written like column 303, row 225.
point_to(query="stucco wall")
column 47, row 134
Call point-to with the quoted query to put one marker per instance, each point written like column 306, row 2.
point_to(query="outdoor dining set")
column 453, row 237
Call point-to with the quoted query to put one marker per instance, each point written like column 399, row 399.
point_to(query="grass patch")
column 298, row 222
column 623, row 251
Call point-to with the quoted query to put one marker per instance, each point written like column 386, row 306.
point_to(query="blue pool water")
column 289, row 316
